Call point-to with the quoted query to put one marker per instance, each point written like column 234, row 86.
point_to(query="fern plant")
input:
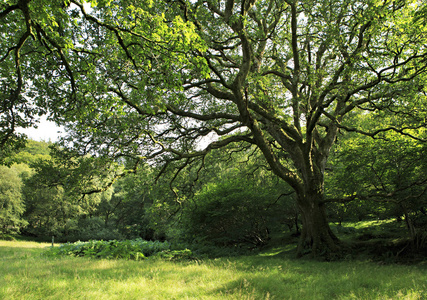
column 137, row 249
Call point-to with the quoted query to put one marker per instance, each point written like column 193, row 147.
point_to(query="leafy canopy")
column 148, row 80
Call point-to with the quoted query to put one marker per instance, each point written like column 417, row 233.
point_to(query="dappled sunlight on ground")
column 21, row 244
column 276, row 274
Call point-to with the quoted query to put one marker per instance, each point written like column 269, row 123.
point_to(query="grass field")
column 26, row 274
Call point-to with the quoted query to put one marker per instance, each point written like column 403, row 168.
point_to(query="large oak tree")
column 147, row 80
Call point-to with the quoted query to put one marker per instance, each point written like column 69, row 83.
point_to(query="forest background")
column 235, row 206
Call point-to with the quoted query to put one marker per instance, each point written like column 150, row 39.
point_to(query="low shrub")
column 185, row 254
column 137, row 249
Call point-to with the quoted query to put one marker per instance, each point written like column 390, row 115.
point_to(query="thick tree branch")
column 8, row 9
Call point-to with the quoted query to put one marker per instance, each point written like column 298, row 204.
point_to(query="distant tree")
column 61, row 191
column 32, row 152
column 37, row 148
column 11, row 202
column 128, row 208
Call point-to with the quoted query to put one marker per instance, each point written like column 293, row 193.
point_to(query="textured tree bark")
column 317, row 238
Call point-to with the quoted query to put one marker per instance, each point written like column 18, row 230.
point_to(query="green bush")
column 234, row 214
column 175, row 254
column 137, row 249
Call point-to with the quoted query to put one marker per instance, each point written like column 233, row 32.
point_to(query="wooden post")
column 53, row 240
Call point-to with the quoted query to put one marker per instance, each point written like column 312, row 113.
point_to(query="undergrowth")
column 137, row 249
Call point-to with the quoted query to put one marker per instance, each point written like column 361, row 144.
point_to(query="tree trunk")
column 316, row 237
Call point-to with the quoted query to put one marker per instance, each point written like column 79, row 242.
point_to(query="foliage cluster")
column 380, row 178
column 137, row 249
column 231, row 212
column 12, row 205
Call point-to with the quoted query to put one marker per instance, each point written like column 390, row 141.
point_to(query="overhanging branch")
column 384, row 197
column 374, row 134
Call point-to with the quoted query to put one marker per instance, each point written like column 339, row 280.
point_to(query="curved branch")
column 381, row 130
column 8, row 9
column 207, row 117
column 383, row 197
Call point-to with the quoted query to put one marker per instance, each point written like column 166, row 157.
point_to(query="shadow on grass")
column 30, row 275
column 306, row 279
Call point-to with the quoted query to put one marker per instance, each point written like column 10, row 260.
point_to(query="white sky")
column 46, row 131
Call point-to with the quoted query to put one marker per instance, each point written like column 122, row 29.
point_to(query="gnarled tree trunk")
column 316, row 237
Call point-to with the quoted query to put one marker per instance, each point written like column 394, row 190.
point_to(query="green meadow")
column 25, row 273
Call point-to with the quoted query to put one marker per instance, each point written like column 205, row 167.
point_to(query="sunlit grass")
column 26, row 274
